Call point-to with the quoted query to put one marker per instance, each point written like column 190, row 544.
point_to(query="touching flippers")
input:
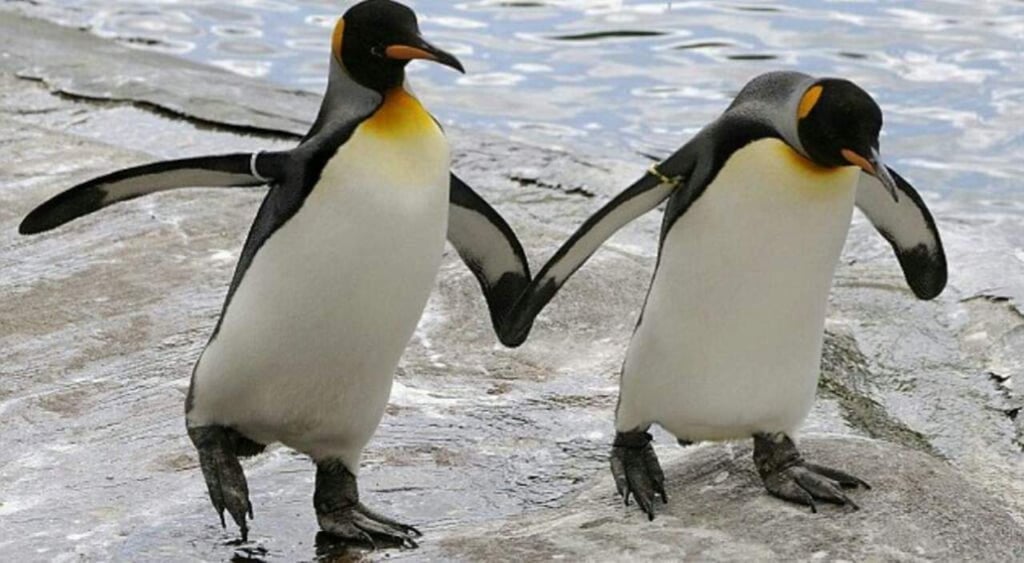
column 644, row 195
column 232, row 170
column 910, row 229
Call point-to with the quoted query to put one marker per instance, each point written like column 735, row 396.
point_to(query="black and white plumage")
column 334, row 274
column 729, row 341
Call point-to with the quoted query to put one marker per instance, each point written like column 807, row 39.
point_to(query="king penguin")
column 729, row 341
column 334, row 275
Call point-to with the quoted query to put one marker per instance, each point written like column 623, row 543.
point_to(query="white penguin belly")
column 730, row 339
column 309, row 344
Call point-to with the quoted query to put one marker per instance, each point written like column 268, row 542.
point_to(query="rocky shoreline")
column 496, row 453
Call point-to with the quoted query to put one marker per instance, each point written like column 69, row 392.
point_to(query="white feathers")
column 308, row 347
column 483, row 243
column 730, row 339
column 607, row 226
column 904, row 223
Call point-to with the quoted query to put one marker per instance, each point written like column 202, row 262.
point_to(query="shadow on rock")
column 248, row 554
column 332, row 549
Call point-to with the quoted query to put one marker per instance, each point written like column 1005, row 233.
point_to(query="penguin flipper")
column 231, row 170
column 910, row 229
column 489, row 246
column 644, row 195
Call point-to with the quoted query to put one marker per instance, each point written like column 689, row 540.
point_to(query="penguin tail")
column 226, row 171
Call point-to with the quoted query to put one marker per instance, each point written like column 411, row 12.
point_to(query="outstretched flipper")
column 644, row 195
column 488, row 245
column 230, row 170
column 910, row 229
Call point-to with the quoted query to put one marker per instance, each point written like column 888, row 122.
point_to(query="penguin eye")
column 378, row 51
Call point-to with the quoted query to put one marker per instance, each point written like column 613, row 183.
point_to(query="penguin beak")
column 421, row 49
column 874, row 165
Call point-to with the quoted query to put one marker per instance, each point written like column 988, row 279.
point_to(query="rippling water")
column 637, row 78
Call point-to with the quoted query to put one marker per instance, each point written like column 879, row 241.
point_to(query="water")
column 638, row 78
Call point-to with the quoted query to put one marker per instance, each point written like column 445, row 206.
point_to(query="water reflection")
column 637, row 75
column 331, row 549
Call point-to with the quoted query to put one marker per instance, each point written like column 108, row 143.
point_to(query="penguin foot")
column 787, row 476
column 637, row 471
column 340, row 513
column 225, row 479
column 361, row 524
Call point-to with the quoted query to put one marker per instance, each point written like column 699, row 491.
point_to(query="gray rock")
column 77, row 64
column 919, row 509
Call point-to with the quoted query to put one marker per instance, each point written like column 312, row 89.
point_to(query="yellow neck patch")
column 797, row 175
column 801, row 162
column 401, row 114
column 809, row 100
column 336, row 39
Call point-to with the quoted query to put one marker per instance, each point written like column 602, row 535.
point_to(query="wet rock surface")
column 101, row 321
column 919, row 509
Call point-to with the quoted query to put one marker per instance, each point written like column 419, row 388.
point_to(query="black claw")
column 619, row 475
column 342, row 515
column 787, row 476
column 636, row 471
column 366, row 537
column 225, row 479
column 844, row 479
column 645, row 504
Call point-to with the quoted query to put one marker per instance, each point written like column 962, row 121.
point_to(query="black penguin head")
column 838, row 124
column 375, row 39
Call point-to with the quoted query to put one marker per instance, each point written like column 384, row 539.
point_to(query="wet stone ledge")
column 920, row 509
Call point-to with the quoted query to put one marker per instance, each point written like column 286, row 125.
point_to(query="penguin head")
column 376, row 39
column 838, row 124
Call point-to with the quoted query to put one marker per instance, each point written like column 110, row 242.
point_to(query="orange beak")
column 873, row 165
column 424, row 51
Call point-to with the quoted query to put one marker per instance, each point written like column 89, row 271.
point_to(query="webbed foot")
column 340, row 513
column 787, row 476
column 218, row 449
column 637, row 471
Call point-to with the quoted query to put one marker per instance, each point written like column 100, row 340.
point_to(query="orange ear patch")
column 339, row 34
column 809, row 100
